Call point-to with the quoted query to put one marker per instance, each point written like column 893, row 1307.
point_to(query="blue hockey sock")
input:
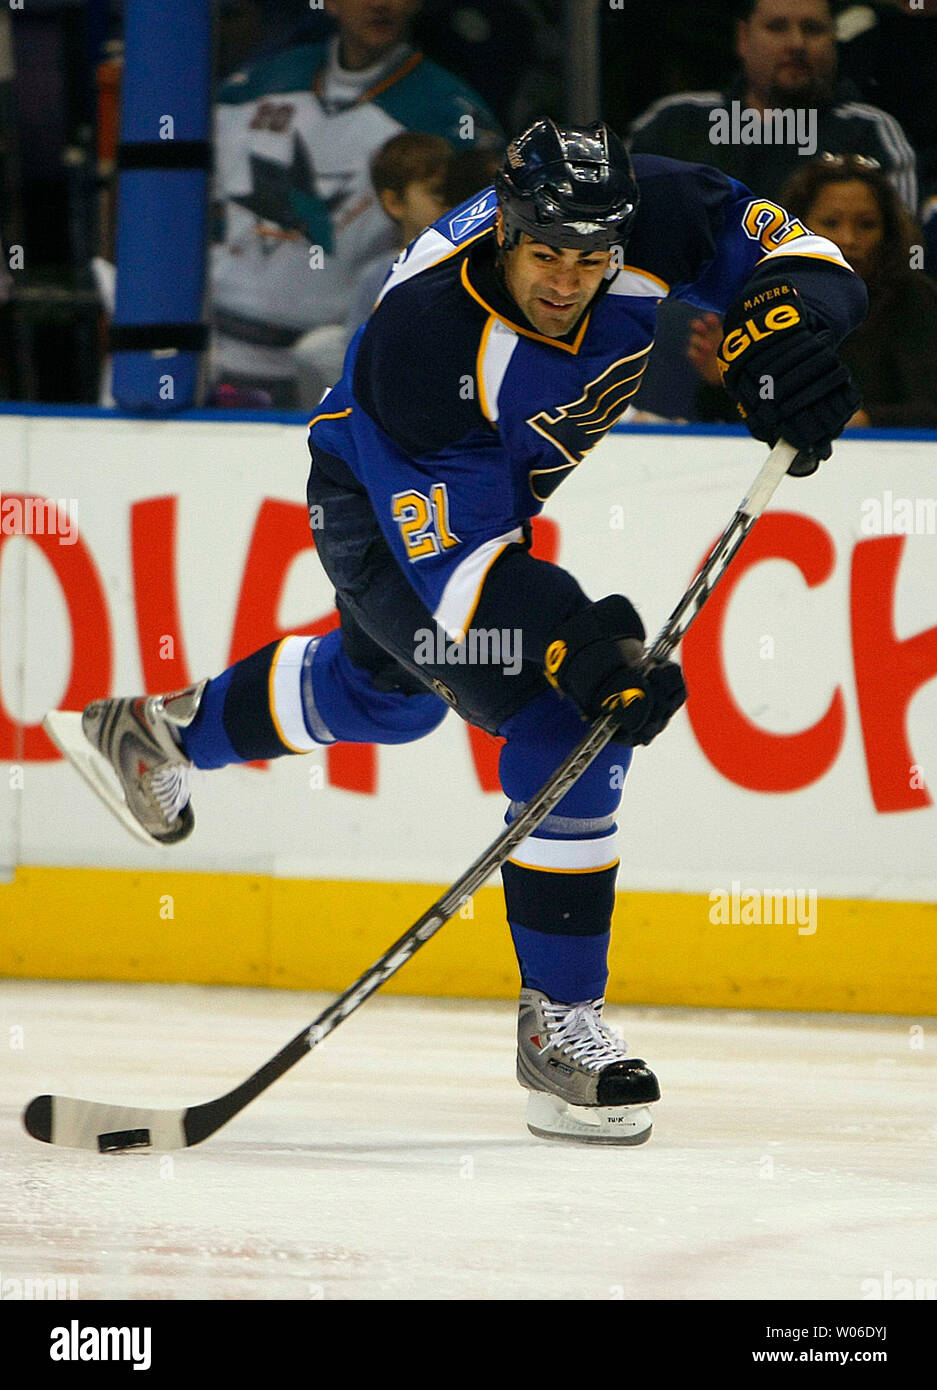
column 559, row 884
column 255, row 710
column 568, row 969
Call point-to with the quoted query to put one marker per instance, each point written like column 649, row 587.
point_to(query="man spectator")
column 787, row 51
column 294, row 137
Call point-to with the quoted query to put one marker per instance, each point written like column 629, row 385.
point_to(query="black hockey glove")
column 597, row 659
column 785, row 378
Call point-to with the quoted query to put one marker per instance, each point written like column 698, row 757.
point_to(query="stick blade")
column 86, row 1124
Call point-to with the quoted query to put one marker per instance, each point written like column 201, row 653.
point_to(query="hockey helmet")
column 568, row 186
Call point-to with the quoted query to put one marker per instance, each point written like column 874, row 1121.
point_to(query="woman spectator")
column 893, row 354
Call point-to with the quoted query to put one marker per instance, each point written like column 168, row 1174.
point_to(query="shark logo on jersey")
column 286, row 197
column 472, row 216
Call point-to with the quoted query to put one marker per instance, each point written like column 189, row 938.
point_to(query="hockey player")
column 541, row 291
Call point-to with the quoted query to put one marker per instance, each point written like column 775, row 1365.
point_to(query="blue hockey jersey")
column 459, row 419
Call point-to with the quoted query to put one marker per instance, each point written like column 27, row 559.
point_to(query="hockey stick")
column 111, row 1128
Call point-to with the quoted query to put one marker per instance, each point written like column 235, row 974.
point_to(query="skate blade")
column 548, row 1117
column 64, row 729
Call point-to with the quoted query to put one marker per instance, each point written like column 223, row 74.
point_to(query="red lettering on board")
column 889, row 671
column 744, row 753
column 92, row 648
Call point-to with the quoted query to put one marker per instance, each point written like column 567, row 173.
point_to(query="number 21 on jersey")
column 424, row 521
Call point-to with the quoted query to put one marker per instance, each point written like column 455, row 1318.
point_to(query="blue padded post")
column 164, row 161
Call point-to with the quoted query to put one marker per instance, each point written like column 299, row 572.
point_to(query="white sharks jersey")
column 293, row 141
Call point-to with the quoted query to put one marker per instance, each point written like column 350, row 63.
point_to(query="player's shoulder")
column 425, row 285
column 290, row 71
column 436, row 249
column 660, row 177
column 675, row 195
column 421, row 343
column 683, row 210
column 427, row 97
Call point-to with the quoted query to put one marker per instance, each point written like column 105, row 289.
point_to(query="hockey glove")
column 597, row 659
column 786, row 379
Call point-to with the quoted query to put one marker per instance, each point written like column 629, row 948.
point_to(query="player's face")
column 788, row 51
column 368, row 27
column 849, row 214
column 553, row 286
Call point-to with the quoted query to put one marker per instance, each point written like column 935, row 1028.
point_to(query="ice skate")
column 127, row 751
column 583, row 1085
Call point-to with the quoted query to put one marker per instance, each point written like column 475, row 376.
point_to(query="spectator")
column 787, row 51
column 788, row 62
column 294, row 137
column 408, row 175
column 893, row 354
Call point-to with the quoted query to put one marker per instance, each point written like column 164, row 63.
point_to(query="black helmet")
column 568, row 186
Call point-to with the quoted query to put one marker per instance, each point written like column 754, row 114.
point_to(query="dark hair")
column 468, row 172
column 408, row 158
column 899, row 230
column 746, row 8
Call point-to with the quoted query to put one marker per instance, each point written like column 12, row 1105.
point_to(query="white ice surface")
column 792, row 1157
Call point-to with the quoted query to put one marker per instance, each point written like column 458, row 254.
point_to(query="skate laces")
column 580, row 1032
column 169, row 785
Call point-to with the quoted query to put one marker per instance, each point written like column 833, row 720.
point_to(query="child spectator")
column 408, row 175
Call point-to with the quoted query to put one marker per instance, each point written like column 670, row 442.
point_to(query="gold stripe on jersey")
column 516, row 327
column 329, row 415
column 545, row 869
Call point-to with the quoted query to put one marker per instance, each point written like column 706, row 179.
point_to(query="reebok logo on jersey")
column 463, row 222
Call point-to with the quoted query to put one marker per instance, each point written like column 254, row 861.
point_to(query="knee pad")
column 343, row 700
column 538, row 738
